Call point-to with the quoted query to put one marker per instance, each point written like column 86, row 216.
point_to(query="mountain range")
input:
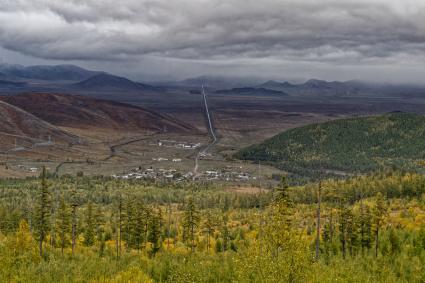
column 314, row 87
column 71, row 78
column 321, row 87
column 64, row 78
column 46, row 72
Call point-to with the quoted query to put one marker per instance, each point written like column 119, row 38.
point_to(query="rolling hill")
column 218, row 82
column 82, row 112
column 251, row 91
column 47, row 72
column 320, row 88
column 277, row 85
column 11, row 84
column 28, row 129
column 348, row 145
column 107, row 82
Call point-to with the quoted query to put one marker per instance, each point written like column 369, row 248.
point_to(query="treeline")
column 391, row 184
column 132, row 219
column 18, row 197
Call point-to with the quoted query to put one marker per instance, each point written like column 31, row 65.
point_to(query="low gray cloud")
column 333, row 32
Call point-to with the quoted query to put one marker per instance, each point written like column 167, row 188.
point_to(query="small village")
column 175, row 144
column 226, row 174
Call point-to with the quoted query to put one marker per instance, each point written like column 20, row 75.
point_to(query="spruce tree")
column 154, row 234
column 344, row 215
column 74, row 220
column 128, row 222
column 99, row 223
column 42, row 212
column 190, row 222
column 379, row 215
column 89, row 232
column 63, row 223
column 118, row 217
column 319, row 199
column 209, row 226
column 147, row 214
column 365, row 220
column 139, row 224
column 278, row 231
column 281, row 192
column 327, row 234
column 352, row 232
column 168, row 222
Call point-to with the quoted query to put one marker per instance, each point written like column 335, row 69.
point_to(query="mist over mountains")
column 69, row 78
column 104, row 81
column 45, row 72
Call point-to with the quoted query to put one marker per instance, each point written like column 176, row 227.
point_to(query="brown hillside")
column 76, row 111
column 27, row 129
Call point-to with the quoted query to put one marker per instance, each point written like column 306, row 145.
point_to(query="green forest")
column 96, row 229
column 342, row 146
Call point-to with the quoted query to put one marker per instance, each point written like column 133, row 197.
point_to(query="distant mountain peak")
column 107, row 81
column 315, row 83
column 275, row 84
column 46, row 72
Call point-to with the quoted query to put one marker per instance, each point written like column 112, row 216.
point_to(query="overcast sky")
column 149, row 39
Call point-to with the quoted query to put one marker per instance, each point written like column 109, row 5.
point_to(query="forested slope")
column 350, row 145
column 80, row 229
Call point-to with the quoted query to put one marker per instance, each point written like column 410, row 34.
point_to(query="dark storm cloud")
column 303, row 38
column 302, row 30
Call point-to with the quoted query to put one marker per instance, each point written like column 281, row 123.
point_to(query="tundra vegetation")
column 88, row 229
